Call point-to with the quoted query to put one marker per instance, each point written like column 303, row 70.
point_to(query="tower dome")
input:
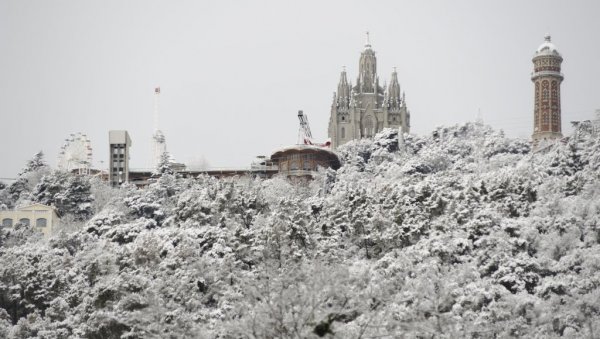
column 547, row 47
column 547, row 78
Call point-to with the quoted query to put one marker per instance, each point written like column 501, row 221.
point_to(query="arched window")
column 7, row 222
column 41, row 222
column 25, row 221
column 343, row 133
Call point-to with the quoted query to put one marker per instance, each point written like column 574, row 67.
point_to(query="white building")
column 43, row 218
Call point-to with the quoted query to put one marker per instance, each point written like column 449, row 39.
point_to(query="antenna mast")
column 156, row 97
column 159, row 144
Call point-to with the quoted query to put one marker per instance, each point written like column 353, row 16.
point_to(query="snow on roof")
column 304, row 148
column 334, row 158
column 38, row 205
column 547, row 48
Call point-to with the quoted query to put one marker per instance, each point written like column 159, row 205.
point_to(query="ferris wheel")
column 76, row 154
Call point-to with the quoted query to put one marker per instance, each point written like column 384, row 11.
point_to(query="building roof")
column 547, row 48
column 36, row 205
column 331, row 155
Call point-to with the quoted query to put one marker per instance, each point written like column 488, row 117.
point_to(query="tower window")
column 343, row 133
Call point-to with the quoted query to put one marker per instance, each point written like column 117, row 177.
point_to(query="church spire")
column 393, row 92
column 367, row 69
column 343, row 92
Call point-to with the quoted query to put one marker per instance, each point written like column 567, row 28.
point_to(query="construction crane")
column 304, row 133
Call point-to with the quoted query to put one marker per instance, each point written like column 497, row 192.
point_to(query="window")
column 306, row 165
column 343, row 133
column 7, row 222
column 25, row 221
column 294, row 165
column 41, row 222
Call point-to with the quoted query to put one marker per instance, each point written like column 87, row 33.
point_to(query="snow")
column 547, row 48
column 465, row 233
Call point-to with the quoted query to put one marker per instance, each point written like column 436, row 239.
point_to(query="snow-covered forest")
column 462, row 233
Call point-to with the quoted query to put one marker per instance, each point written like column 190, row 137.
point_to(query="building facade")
column 362, row 110
column 303, row 160
column 43, row 218
column 119, row 143
column 547, row 78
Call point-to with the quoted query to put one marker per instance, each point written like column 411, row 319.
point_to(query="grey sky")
column 234, row 73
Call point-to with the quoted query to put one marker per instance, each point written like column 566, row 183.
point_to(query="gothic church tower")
column 367, row 108
column 547, row 78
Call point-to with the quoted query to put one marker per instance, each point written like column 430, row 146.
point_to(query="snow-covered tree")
column 465, row 233
column 27, row 179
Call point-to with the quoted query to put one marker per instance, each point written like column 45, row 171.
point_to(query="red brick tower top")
column 547, row 78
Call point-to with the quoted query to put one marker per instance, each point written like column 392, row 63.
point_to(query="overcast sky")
column 234, row 73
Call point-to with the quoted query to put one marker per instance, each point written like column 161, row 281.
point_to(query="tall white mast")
column 159, row 143
column 156, row 97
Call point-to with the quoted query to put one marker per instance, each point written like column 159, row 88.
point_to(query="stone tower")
column 367, row 108
column 547, row 78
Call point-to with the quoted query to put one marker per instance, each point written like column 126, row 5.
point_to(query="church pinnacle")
column 343, row 90
column 367, row 69
column 393, row 95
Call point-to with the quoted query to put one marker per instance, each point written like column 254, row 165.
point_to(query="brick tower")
column 547, row 78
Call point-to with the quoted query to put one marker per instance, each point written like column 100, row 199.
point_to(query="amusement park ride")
column 76, row 154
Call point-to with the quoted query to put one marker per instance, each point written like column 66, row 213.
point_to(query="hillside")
column 462, row 233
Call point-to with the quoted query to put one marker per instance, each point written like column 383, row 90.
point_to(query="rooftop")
column 547, row 47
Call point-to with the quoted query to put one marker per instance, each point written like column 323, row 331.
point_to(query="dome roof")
column 547, row 48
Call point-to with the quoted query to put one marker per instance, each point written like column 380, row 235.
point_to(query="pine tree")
column 27, row 179
column 164, row 165
column 34, row 164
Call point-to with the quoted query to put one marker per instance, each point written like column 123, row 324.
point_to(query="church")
column 362, row 110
